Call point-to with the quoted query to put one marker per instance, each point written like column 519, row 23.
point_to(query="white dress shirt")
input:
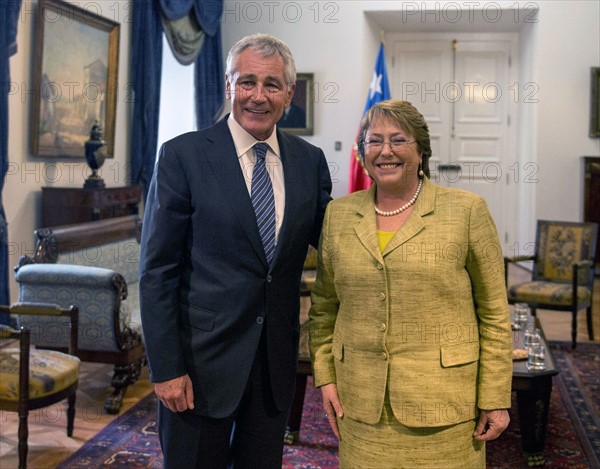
column 244, row 143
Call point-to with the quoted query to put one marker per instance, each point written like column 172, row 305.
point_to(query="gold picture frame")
column 75, row 79
column 595, row 103
column 298, row 118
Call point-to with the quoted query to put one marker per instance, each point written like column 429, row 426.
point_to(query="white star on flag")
column 375, row 86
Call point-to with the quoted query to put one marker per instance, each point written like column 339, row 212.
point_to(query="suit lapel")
column 291, row 161
column 366, row 227
column 222, row 158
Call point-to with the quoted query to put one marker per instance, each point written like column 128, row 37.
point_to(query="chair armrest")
column 97, row 292
column 38, row 309
column 583, row 274
column 7, row 332
column 512, row 260
column 587, row 263
column 41, row 309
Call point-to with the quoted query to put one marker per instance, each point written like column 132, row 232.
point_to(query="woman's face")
column 391, row 156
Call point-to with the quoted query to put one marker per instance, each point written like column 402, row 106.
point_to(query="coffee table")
column 533, row 389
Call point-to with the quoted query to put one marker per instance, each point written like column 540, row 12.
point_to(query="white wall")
column 27, row 174
column 338, row 42
column 567, row 44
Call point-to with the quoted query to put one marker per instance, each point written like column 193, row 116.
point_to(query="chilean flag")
column 379, row 90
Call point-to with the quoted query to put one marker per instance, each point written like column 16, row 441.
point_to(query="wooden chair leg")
column 574, row 330
column 71, row 414
column 23, row 436
column 590, row 325
column 123, row 376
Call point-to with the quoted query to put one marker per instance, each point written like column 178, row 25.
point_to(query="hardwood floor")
column 48, row 441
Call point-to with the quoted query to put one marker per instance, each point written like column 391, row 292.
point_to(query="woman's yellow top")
column 384, row 238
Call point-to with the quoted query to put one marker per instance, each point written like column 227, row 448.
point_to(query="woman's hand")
column 491, row 424
column 331, row 405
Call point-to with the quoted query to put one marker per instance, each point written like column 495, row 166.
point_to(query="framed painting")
column 297, row 119
column 595, row 104
column 75, row 79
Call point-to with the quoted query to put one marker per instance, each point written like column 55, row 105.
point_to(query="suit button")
column 382, row 296
column 384, row 355
column 269, row 279
column 379, row 266
column 260, row 320
column 382, row 327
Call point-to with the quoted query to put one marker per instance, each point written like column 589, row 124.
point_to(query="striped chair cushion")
column 49, row 373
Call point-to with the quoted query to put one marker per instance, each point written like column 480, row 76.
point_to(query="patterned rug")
column 573, row 432
column 572, row 440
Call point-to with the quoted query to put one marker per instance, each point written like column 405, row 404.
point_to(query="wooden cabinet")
column 591, row 197
column 66, row 206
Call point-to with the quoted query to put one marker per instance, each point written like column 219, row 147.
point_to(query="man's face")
column 258, row 93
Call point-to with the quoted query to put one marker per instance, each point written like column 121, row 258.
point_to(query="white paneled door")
column 463, row 88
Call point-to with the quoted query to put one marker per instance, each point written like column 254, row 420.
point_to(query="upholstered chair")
column 93, row 265
column 32, row 379
column 563, row 271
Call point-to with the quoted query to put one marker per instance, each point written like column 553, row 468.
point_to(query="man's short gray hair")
column 264, row 45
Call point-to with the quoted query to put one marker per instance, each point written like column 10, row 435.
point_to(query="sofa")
column 94, row 266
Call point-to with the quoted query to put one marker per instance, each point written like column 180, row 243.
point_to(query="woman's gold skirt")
column 391, row 445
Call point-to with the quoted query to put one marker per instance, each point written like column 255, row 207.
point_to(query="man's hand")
column 491, row 424
column 331, row 405
column 176, row 394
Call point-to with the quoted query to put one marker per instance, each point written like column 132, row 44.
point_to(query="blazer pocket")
column 199, row 318
column 459, row 354
column 337, row 350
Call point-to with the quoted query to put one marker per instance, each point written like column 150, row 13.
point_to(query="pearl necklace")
column 391, row 213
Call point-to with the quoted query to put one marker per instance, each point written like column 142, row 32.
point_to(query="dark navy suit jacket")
column 206, row 289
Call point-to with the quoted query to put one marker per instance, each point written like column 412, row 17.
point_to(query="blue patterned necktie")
column 263, row 201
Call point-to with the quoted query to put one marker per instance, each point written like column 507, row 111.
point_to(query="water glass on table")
column 531, row 337
column 521, row 313
column 536, row 357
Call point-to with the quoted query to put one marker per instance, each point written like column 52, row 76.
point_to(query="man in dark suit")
column 220, row 291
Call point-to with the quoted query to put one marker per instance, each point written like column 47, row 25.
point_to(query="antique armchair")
column 93, row 265
column 32, row 379
column 563, row 271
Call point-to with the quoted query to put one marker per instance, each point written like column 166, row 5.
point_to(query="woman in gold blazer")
column 409, row 327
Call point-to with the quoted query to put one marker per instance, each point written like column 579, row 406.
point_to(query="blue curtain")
column 209, row 74
column 146, row 46
column 146, row 63
column 209, row 79
column 9, row 15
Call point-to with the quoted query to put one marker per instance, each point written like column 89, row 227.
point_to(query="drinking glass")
column 531, row 337
column 536, row 358
column 521, row 313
